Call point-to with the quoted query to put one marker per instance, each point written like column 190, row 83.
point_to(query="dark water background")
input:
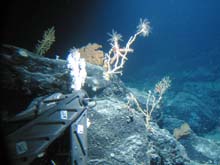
column 185, row 33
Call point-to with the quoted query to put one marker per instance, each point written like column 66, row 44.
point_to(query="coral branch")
column 116, row 57
column 153, row 99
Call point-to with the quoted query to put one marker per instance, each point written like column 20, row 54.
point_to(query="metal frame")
column 52, row 116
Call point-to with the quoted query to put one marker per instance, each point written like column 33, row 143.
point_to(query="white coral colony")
column 77, row 68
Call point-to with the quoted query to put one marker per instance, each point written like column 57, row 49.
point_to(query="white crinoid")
column 144, row 27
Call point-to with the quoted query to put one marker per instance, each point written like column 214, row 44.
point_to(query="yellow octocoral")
column 183, row 130
column 48, row 39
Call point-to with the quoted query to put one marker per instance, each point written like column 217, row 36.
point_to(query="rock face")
column 113, row 138
column 117, row 135
column 22, row 70
column 25, row 76
column 199, row 149
column 196, row 103
column 28, row 75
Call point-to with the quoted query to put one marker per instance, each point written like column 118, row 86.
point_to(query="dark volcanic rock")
column 32, row 74
column 114, row 139
column 25, row 75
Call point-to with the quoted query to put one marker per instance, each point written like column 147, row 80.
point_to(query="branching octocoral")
column 153, row 99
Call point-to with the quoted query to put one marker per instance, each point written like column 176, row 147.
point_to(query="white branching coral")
column 144, row 27
column 115, row 37
column 115, row 59
column 77, row 68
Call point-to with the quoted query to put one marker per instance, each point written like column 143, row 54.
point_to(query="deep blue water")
column 185, row 34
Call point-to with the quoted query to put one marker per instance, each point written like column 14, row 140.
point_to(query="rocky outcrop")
column 27, row 75
column 200, row 150
column 117, row 135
